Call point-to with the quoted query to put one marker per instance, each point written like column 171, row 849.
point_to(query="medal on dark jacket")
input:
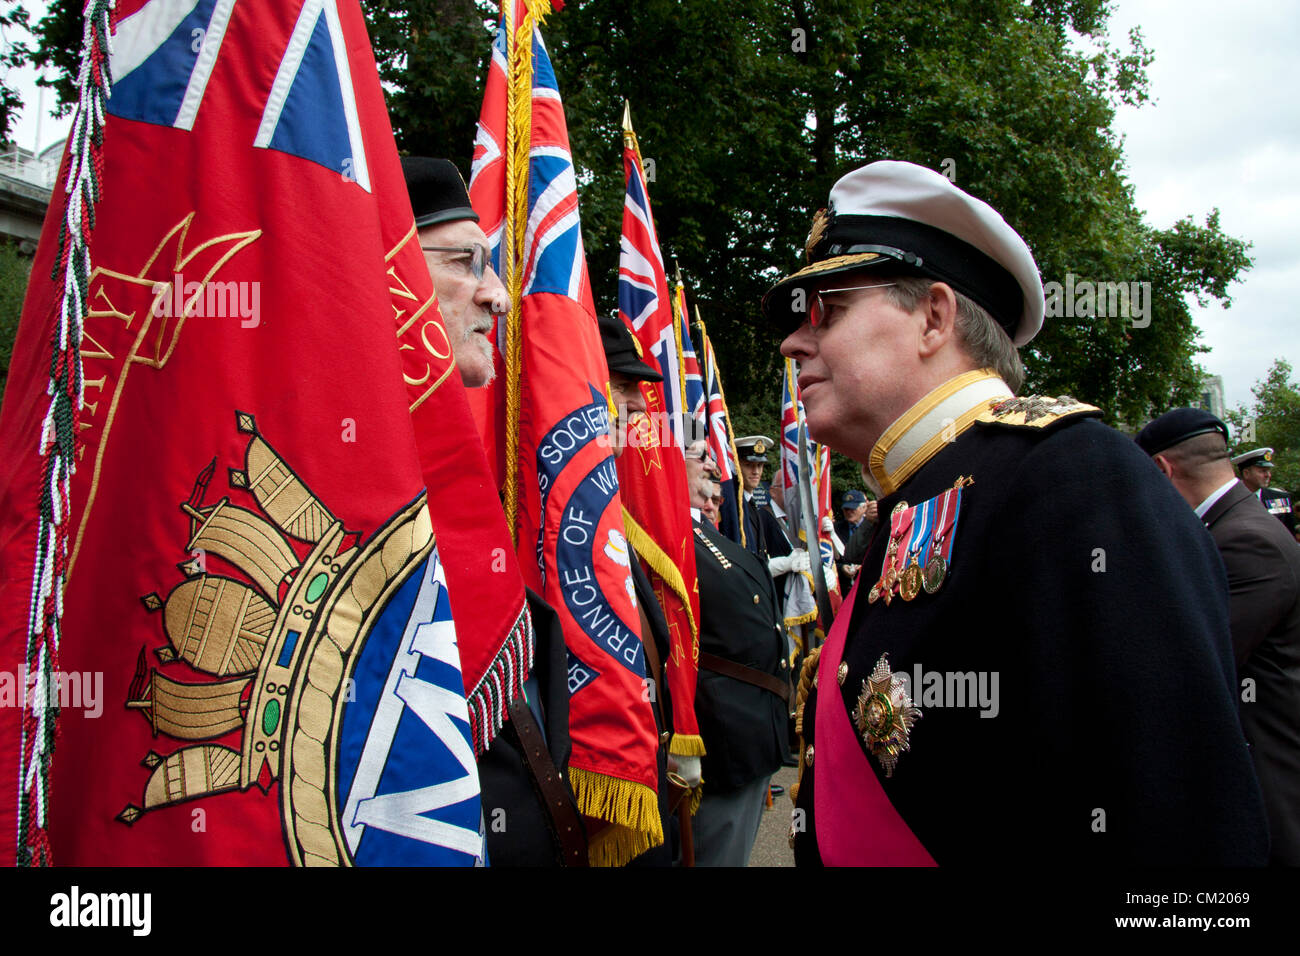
column 884, row 715
column 928, row 530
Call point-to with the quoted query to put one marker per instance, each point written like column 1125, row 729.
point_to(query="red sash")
column 856, row 823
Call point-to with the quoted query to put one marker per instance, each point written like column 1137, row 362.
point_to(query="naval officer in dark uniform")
column 1256, row 468
column 1190, row 447
column 743, row 688
column 1035, row 666
column 752, row 450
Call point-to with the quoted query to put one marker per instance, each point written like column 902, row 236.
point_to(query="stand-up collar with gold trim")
column 938, row 418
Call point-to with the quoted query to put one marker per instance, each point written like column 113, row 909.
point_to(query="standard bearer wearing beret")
column 1263, row 565
column 437, row 191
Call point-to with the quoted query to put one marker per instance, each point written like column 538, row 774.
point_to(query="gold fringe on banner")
column 679, row 302
column 648, row 550
column 631, row 809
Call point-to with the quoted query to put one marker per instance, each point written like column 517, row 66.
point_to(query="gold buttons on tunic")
column 843, row 672
column 755, row 598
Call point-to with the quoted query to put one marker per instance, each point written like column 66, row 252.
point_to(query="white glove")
column 828, row 526
column 688, row 768
column 799, row 561
column 779, row 566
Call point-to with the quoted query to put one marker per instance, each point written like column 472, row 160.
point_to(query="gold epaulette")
column 1035, row 411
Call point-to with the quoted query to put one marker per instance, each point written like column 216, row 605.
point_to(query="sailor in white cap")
column 1256, row 468
column 1034, row 665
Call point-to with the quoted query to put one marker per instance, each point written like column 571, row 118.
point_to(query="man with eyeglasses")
column 533, row 815
column 469, row 292
column 1034, row 664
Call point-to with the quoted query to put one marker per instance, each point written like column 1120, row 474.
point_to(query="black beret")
column 437, row 191
column 620, row 351
column 1178, row 426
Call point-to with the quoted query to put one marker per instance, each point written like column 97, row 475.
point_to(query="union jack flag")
column 692, row 380
column 165, row 53
column 791, row 417
column 821, row 456
column 721, row 440
column 564, row 498
column 643, row 300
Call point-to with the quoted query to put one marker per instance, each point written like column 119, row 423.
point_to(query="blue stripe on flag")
column 153, row 91
column 555, row 263
column 312, row 124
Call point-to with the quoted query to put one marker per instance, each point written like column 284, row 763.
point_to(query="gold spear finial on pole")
column 629, row 137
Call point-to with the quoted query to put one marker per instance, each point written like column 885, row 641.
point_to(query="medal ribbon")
column 951, row 507
column 921, row 531
column 899, row 525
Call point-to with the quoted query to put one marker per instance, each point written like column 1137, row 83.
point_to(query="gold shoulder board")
column 1035, row 411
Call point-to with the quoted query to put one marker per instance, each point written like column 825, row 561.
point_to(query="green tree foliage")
column 432, row 57
column 1272, row 420
column 751, row 109
column 14, row 270
column 13, row 52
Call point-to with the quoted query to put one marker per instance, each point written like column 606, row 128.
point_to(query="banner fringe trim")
column 631, row 809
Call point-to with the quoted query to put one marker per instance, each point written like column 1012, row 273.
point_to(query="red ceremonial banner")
column 259, row 604
column 652, row 476
column 550, row 412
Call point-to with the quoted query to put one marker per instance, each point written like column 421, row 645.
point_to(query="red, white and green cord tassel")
column 58, row 439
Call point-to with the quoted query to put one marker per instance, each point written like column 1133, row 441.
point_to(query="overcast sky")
column 1223, row 130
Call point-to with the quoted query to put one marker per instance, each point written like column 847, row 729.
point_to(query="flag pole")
column 808, row 515
column 707, row 345
column 679, row 301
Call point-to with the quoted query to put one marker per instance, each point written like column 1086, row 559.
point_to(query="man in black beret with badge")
column 1190, row 447
column 627, row 371
column 1034, row 666
column 522, row 773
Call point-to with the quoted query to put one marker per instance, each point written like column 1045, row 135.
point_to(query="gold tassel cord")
column 806, row 673
column 679, row 297
column 519, row 118
column 631, row 809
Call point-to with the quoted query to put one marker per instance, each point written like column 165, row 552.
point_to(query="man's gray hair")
column 981, row 338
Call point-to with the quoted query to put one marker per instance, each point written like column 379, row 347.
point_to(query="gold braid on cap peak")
column 820, row 221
